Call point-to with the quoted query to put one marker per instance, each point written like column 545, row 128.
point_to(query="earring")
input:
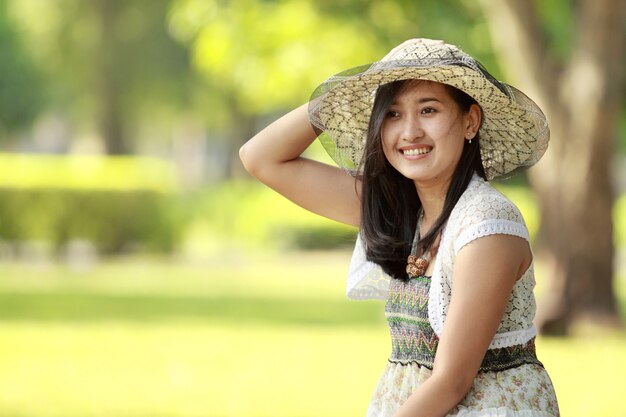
column 470, row 141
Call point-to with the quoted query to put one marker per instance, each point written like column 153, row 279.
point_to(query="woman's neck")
column 432, row 198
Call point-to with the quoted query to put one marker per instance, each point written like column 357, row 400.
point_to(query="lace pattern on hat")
column 514, row 133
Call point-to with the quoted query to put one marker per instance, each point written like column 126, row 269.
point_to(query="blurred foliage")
column 113, row 221
column 260, row 58
column 621, row 139
column 146, row 68
column 252, row 59
column 558, row 20
column 315, row 238
column 21, row 87
column 277, row 223
column 263, row 56
column 121, row 202
column 116, row 203
column 266, row 55
column 248, row 212
column 108, row 59
column 86, row 172
column 619, row 222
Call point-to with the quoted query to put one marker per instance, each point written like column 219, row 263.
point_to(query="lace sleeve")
column 366, row 280
column 489, row 214
column 483, row 211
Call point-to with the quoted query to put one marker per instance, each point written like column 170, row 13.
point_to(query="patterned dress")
column 511, row 380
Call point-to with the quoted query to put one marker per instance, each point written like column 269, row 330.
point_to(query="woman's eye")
column 428, row 110
column 392, row 113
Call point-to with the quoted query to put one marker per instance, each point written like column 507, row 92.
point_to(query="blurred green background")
column 143, row 273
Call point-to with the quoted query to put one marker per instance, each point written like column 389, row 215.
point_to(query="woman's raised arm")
column 274, row 157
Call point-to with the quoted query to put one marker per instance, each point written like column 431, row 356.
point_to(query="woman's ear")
column 474, row 117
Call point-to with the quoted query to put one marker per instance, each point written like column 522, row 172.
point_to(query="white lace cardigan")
column 481, row 211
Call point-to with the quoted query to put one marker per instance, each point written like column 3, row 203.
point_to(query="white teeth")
column 417, row 151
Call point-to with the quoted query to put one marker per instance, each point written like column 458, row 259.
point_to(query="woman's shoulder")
column 481, row 202
column 481, row 211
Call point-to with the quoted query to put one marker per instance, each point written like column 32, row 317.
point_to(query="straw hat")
column 514, row 131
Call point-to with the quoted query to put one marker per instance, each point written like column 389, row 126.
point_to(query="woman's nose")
column 411, row 129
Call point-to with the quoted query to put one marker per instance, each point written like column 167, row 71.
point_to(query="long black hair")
column 389, row 202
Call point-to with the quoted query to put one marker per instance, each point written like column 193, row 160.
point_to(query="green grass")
column 237, row 336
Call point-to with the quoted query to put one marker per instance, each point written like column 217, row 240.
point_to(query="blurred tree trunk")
column 108, row 89
column 581, row 96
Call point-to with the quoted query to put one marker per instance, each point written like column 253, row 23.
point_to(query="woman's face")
column 424, row 132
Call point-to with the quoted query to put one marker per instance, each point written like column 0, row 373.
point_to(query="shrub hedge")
column 130, row 203
column 251, row 213
column 117, row 203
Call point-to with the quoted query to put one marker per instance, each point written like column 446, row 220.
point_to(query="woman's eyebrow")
column 427, row 99
column 419, row 101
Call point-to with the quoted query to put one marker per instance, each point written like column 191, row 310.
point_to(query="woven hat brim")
column 514, row 132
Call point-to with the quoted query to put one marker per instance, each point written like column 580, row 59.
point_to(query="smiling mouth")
column 415, row 151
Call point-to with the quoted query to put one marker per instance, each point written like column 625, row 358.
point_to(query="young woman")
column 417, row 137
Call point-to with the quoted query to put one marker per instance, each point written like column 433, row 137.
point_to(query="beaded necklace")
column 416, row 266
